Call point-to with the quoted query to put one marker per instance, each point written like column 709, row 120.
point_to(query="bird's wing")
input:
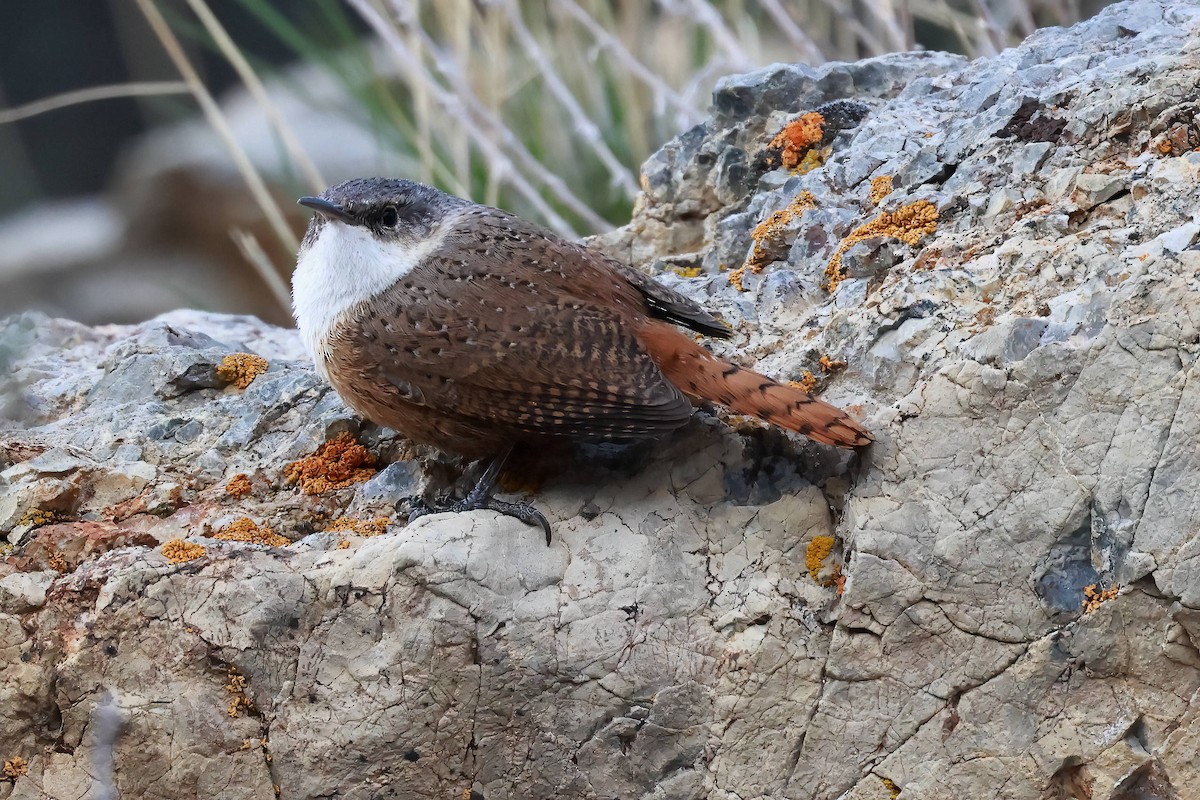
column 535, row 336
column 671, row 306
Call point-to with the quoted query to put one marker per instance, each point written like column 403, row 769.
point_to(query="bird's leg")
column 480, row 497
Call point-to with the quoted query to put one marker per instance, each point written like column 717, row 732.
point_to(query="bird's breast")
column 343, row 269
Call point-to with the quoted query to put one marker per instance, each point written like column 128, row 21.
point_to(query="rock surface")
column 1009, row 605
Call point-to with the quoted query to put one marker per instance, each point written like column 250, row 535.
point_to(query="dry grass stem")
column 260, row 94
column 454, row 106
column 216, row 118
column 91, row 95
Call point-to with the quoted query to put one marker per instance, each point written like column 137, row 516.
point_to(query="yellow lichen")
column 909, row 224
column 337, row 464
column 247, row 530
column 239, row 485
column 15, row 767
column 766, row 234
column 735, row 278
column 236, row 686
column 815, row 554
column 241, row 369
column 1094, row 596
column 812, row 159
column 881, row 187
column 687, row 272
column 37, row 517
column 797, row 137
column 178, row 551
column 891, row 786
column 362, row 527
column 807, row 382
column 829, row 365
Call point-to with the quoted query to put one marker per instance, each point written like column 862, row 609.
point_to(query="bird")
column 473, row 330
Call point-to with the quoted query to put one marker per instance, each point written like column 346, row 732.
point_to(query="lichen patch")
column 797, row 138
column 1094, row 596
column 239, row 485
column 338, row 463
column 240, row 369
column 769, row 233
column 247, row 530
column 361, row 527
column 15, row 767
column 881, row 187
column 831, row 365
column 909, row 224
column 807, row 382
column 815, row 554
column 178, row 551
column 239, row 702
column 735, row 278
column 37, row 517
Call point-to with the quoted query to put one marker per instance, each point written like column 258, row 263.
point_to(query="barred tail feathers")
column 700, row 374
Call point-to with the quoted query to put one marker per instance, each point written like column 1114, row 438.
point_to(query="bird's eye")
column 389, row 217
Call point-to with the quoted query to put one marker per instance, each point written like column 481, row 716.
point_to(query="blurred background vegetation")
column 151, row 150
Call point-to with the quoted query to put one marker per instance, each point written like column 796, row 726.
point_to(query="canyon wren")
column 470, row 329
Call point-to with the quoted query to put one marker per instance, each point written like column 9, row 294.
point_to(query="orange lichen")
column 767, row 234
column 337, row 464
column 247, row 530
column 239, row 702
column 735, row 278
column 241, row 369
column 815, row 554
column 1094, row 596
column 807, row 382
column 15, row 767
column 881, row 187
column 909, row 224
column 797, row 137
column 687, row 272
column 239, row 485
column 362, row 527
column 839, row 580
column 829, row 365
column 343, row 544
column 57, row 561
column 178, row 551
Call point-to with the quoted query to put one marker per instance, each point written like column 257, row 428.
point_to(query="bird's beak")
column 328, row 210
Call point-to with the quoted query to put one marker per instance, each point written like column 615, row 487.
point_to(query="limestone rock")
column 1001, row 598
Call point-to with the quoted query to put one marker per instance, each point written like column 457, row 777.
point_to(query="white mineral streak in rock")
column 1031, row 381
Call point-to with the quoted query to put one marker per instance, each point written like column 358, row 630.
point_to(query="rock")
column 1002, row 592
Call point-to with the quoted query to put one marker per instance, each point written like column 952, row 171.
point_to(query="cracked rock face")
column 1000, row 599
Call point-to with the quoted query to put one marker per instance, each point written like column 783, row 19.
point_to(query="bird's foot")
column 525, row 512
column 481, row 498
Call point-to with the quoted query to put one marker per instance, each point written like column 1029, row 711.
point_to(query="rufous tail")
column 701, row 375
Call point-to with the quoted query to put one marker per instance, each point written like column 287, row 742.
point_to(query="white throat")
column 345, row 267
